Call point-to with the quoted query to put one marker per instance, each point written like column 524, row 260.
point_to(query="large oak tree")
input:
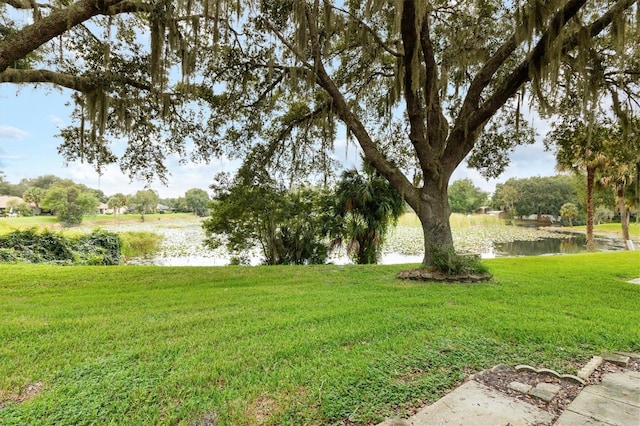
column 418, row 85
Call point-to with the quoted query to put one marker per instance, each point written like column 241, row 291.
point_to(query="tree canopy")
column 418, row 86
column 197, row 200
column 607, row 153
column 537, row 195
column 287, row 227
column 117, row 202
column 580, row 147
column 144, row 202
column 364, row 206
column 70, row 201
column 465, row 197
column 569, row 211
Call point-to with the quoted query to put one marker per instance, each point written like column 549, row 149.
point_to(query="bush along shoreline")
column 32, row 245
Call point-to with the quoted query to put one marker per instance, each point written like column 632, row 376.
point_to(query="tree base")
column 429, row 275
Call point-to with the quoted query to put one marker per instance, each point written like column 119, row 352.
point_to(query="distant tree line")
column 545, row 195
column 301, row 225
column 70, row 201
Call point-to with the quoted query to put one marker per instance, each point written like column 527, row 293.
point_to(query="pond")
column 565, row 243
column 182, row 243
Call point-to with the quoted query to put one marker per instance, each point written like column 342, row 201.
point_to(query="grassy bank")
column 290, row 345
column 8, row 224
column 612, row 228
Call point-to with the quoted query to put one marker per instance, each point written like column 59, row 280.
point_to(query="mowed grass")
column 291, row 345
column 8, row 224
column 634, row 228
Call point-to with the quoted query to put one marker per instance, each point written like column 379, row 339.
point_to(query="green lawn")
column 291, row 345
column 8, row 224
column 607, row 228
column 634, row 228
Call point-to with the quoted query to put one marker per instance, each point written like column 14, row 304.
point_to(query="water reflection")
column 564, row 244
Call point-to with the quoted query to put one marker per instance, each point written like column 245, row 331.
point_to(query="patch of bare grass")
column 28, row 393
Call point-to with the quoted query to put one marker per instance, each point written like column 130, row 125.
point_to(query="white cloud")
column 11, row 157
column 182, row 178
column 56, row 120
column 462, row 172
column 9, row 132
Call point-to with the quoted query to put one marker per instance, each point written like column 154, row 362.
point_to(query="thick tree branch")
column 470, row 121
column 354, row 125
column 437, row 126
column 79, row 84
column 73, row 82
column 17, row 45
column 538, row 58
column 484, row 76
column 415, row 110
column 462, row 138
column 25, row 4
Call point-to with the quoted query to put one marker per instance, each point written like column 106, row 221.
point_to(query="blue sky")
column 31, row 117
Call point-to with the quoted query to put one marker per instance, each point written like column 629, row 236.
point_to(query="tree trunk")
column 433, row 211
column 591, row 172
column 624, row 216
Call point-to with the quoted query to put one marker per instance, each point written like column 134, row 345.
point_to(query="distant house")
column 543, row 218
column 6, row 203
column 103, row 208
column 500, row 214
column 483, row 210
column 161, row 208
column 118, row 211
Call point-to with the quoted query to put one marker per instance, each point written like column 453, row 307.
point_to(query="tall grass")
column 457, row 220
column 291, row 345
column 461, row 221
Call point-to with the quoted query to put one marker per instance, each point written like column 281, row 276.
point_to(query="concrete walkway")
column 613, row 402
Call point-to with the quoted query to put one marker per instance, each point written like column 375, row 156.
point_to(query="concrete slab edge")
column 550, row 372
column 590, row 367
column 629, row 354
column 621, row 360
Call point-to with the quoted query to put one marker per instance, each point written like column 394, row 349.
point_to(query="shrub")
column 449, row 262
column 8, row 255
column 253, row 211
column 33, row 246
column 240, row 260
column 99, row 248
column 138, row 244
column 603, row 214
